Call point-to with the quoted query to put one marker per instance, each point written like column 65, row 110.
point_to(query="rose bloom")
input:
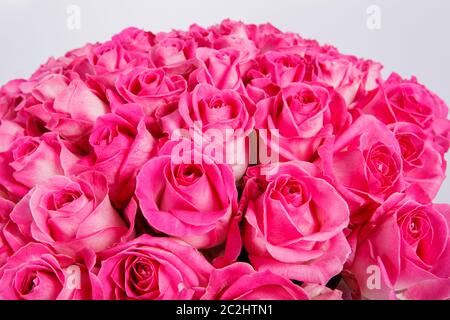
column 240, row 281
column 299, row 117
column 239, row 41
column 150, row 268
column 267, row 37
column 294, row 222
column 134, row 40
column 121, row 144
column 30, row 161
column 364, row 163
column 422, row 163
column 150, row 87
column 272, row 71
column 349, row 76
column 224, row 118
column 175, row 54
column 70, row 214
column 109, row 57
column 402, row 100
column 190, row 200
column 104, row 62
column 218, row 68
column 37, row 273
column 67, row 107
column 214, row 108
column 406, row 245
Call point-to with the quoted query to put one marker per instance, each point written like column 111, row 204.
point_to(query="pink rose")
column 109, row 57
column 150, row 268
column 364, row 163
column 349, row 76
column 240, row 281
column 30, row 161
column 294, row 222
column 234, row 35
column 135, row 40
column 399, row 100
column 122, row 145
column 225, row 119
column 215, row 108
column 300, row 116
column 218, row 68
column 227, row 28
column 422, row 163
column 266, row 37
column 403, row 251
column 71, row 214
column 404, row 100
column 202, row 36
column 36, row 273
column 172, row 53
column 260, row 87
column 70, row 112
column 150, row 87
column 106, row 61
column 277, row 68
column 191, row 200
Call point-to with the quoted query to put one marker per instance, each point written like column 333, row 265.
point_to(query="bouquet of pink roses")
column 234, row 162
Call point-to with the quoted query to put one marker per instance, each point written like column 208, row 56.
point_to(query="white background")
column 414, row 38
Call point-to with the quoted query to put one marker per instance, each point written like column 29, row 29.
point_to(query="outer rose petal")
column 79, row 102
column 239, row 281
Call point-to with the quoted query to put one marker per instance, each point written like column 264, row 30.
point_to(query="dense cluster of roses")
column 107, row 191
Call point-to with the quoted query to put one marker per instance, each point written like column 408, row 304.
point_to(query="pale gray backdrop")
column 414, row 38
